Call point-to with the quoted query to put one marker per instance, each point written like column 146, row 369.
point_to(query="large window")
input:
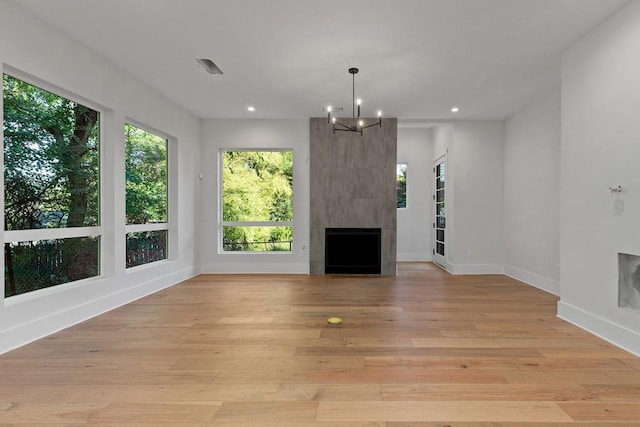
column 51, row 188
column 257, row 201
column 146, row 169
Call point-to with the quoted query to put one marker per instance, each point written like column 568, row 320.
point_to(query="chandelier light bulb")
column 379, row 113
column 329, row 109
column 333, row 119
column 360, row 123
column 359, row 101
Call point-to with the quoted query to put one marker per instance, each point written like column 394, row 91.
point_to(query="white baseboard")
column 475, row 268
column 27, row 332
column 414, row 257
column 617, row 335
column 255, row 268
column 535, row 280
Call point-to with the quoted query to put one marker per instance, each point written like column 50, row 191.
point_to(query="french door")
column 439, row 225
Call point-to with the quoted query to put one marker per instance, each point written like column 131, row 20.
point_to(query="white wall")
column 254, row 134
column 476, row 186
column 31, row 47
column 415, row 148
column 601, row 148
column 442, row 139
column 532, row 194
column 474, row 197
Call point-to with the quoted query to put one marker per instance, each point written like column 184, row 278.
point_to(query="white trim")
column 137, row 228
column 414, row 257
column 2, row 294
column 50, row 291
column 533, row 279
column 173, row 198
column 475, row 268
column 149, row 265
column 51, row 233
column 256, row 267
column 53, row 88
column 256, row 224
column 222, row 224
column 170, row 225
column 35, row 329
column 446, row 267
column 435, row 256
column 31, row 235
column 611, row 332
column 128, row 120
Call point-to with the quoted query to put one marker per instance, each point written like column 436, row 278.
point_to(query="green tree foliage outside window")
column 401, row 185
column 146, row 176
column 51, row 180
column 257, row 186
column 146, row 173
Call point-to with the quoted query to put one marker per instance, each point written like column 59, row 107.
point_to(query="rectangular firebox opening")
column 352, row 251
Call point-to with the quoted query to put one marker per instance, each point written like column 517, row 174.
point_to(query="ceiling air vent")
column 209, row 66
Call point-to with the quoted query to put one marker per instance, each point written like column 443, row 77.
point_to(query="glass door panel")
column 439, row 225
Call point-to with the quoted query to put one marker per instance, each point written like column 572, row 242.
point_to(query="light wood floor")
column 421, row 349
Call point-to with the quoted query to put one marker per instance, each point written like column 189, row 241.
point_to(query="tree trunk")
column 85, row 120
column 74, row 162
column 11, row 277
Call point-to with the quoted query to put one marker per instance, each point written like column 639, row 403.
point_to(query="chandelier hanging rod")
column 357, row 124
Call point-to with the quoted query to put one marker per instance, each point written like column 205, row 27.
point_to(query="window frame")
column 31, row 235
column 406, row 169
column 168, row 225
column 222, row 223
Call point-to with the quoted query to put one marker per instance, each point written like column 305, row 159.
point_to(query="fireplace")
column 352, row 251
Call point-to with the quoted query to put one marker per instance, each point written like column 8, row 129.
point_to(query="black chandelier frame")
column 357, row 125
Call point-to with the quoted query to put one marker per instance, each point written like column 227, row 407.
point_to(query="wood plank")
column 572, row 376
column 267, row 411
column 302, row 363
column 54, row 413
column 290, row 424
column 515, row 424
column 339, row 392
column 175, row 377
column 275, row 333
column 379, row 342
column 615, row 392
column 456, row 342
column 500, row 392
column 520, row 363
column 122, row 413
column 446, row 411
column 474, row 352
column 602, row 411
column 140, row 393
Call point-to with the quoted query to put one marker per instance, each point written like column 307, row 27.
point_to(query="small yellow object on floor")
column 334, row 321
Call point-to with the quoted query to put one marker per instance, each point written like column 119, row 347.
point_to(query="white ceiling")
column 289, row 58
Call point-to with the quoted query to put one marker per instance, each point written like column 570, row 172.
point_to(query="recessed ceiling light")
column 455, row 109
column 209, row 66
column 251, row 108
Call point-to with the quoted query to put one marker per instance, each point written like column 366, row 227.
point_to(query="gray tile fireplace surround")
column 353, row 184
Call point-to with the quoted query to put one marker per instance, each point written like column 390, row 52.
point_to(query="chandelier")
column 357, row 124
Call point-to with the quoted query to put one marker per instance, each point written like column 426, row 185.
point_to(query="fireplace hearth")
column 352, row 251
